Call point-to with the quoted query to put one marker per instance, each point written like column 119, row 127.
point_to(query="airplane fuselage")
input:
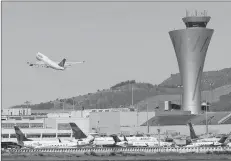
column 48, row 144
column 108, row 141
column 146, row 141
column 205, row 143
column 81, row 142
column 34, row 144
column 48, row 62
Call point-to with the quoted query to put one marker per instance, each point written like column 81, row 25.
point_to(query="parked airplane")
column 59, row 144
column 111, row 141
column 147, row 141
column 194, row 137
column 44, row 61
column 79, row 137
column 196, row 141
column 29, row 143
column 220, row 142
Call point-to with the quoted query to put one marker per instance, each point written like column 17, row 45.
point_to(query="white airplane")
column 195, row 138
column 29, row 143
column 196, row 141
column 111, row 141
column 220, row 142
column 147, row 141
column 44, row 61
column 36, row 144
column 79, row 137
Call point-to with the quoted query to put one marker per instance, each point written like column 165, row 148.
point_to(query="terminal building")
column 106, row 122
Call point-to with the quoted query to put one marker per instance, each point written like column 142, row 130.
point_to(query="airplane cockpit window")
column 39, row 56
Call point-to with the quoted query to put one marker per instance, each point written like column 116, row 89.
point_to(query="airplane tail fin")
column 115, row 138
column 77, row 132
column 192, row 132
column 125, row 139
column 20, row 136
column 61, row 64
column 59, row 140
column 223, row 139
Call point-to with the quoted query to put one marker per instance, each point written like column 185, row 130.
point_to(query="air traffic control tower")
column 191, row 45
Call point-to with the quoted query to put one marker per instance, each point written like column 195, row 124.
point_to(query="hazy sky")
column 119, row 41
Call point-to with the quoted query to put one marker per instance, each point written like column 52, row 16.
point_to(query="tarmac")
column 117, row 157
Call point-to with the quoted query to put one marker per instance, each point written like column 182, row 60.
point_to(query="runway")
column 118, row 157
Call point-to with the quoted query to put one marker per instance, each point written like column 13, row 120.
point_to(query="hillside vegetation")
column 120, row 95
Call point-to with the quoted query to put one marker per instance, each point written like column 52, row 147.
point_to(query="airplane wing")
column 69, row 64
column 37, row 64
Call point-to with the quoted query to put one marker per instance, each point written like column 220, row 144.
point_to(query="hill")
column 120, row 95
column 215, row 78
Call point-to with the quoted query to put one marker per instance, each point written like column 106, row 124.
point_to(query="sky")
column 118, row 40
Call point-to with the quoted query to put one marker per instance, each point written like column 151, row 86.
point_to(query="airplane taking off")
column 44, row 61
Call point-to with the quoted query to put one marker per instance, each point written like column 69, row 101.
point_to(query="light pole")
column 206, row 117
column 63, row 102
column 27, row 103
column 8, row 115
column 54, row 103
column 158, row 135
column 137, row 115
column 211, row 91
column 132, row 95
column 211, row 99
column 82, row 110
column 181, row 96
column 147, row 120
column 73, row 103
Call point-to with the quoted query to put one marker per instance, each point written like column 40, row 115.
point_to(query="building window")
column 7, row 125
column 23, row 125
column 64, row 126
column 64, row 135
column 36, row 125
column 33, row 135
column 12, row 135
column 5, row 135
column 49, row 135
